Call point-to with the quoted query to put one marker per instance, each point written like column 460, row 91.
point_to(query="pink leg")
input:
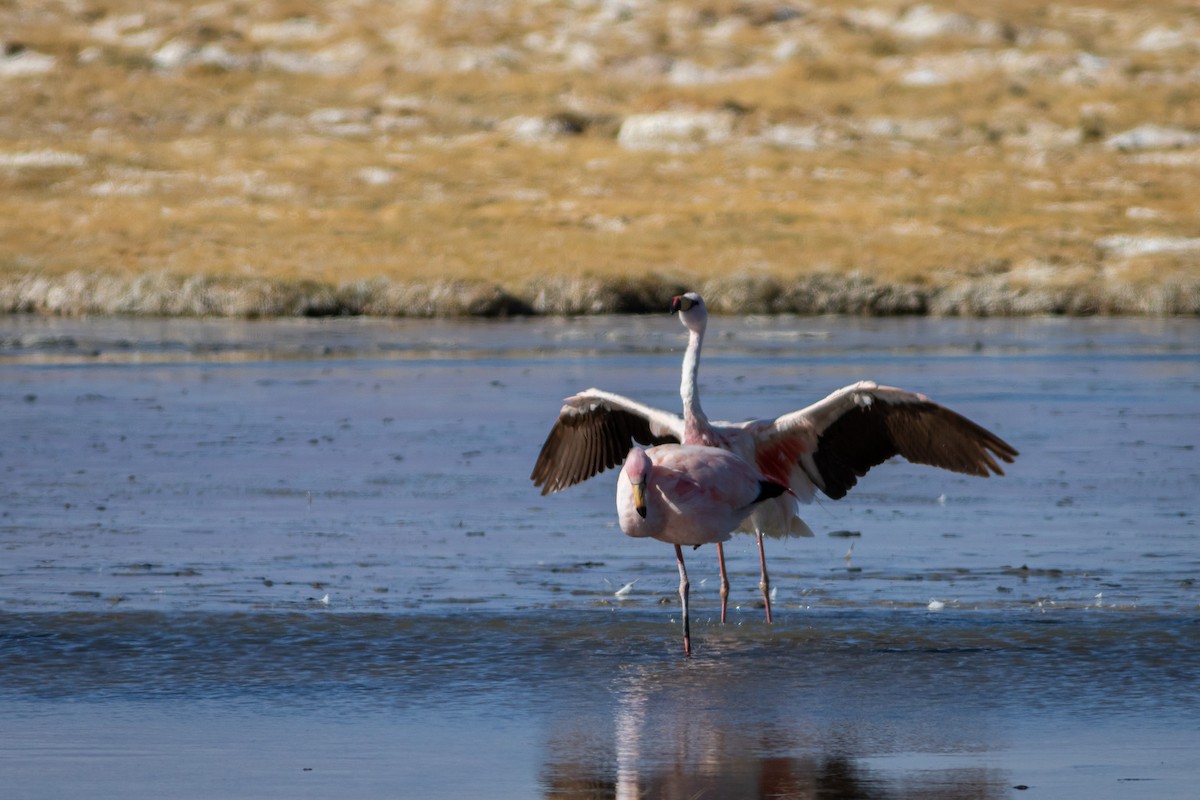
column 683, row 600
column 724, row 580
column 765, row 583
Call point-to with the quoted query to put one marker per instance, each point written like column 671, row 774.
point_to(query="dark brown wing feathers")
column 585, row 442
column 924, row 433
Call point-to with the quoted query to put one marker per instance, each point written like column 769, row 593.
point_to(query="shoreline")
column 167, row 295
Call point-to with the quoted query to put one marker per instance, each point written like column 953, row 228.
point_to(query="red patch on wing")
column 685, row 489
column 775, row 461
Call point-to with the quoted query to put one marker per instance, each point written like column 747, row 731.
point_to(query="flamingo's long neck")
column 696, row 428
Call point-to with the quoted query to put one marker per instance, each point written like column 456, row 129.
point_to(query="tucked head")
column 637, row 468
column 691, row 310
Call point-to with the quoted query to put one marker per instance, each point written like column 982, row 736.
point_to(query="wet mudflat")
column 302, row 558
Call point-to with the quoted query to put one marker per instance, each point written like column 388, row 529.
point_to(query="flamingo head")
column 692, row 311
column 636, row 470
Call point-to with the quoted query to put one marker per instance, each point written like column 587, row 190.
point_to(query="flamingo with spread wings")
column 827, row 446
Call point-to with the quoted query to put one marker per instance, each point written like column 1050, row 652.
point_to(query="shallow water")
column 298, row 558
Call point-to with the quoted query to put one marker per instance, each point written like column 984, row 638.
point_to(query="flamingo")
column 688, row 495
column 826, row 446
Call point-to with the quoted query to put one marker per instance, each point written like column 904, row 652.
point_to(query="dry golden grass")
column 354, row 149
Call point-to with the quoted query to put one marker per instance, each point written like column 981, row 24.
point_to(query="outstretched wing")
column 837, row 440
column 594, row 432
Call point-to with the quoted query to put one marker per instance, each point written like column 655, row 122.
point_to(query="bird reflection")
column 667, row 744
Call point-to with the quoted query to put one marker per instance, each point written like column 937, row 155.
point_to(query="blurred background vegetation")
column 572, row 156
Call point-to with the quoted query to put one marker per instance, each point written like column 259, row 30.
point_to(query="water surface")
column 298, row 558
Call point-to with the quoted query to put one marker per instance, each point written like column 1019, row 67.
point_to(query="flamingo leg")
column 724, row 580
column 683, row 600
column 765, row 582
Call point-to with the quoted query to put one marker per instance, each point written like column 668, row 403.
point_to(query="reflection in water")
column 631, row 718
column 673, row 739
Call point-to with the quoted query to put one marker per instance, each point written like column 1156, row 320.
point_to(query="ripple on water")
column 1103, row 662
